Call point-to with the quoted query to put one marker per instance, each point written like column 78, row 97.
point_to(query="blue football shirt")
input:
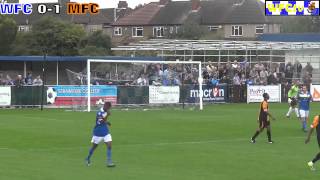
column 101, row 129
column 304, row 101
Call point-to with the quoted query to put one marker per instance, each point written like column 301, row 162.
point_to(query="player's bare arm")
column 309, row 135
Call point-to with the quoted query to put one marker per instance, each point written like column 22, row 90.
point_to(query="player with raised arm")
column 292, row 95
column 304, row 98
column 101, row 133
column 264, row 122
column 314, row 125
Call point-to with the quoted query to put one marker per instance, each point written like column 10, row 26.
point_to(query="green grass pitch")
column 156, row 145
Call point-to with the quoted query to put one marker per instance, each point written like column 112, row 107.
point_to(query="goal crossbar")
column 89, row 61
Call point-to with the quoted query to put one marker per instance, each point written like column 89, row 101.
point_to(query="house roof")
column 174, row 13
column 232, row 12
column 211, row 12
column 141, row 16
column 105, row 16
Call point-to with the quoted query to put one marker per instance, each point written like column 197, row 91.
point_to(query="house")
column 91, row 23
column 234, row 19
column 154, row 20
column 237, row 19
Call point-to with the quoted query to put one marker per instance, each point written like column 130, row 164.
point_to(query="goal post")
column 91, row 61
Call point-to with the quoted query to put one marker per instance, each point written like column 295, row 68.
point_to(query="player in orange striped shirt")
column 314, row 125
column 264, row 122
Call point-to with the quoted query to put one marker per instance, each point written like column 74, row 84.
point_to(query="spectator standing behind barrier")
column 28, row 79
column 243, row 87
column 306, row 79
column 2, row 81
column 19, row 83
column 37, row 81
column 9, row 81
column 263, row 77
column 282, row 67
column 308, row 68
column 273, row 78
column 297, row 68
column 289, row 72
column 236, row 87
column 142, row 81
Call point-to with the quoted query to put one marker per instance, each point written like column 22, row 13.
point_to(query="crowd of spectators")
column 258, row 74
column 235, row 73
column 20, row 80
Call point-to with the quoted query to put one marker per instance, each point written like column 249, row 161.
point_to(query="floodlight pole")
column 44, row 78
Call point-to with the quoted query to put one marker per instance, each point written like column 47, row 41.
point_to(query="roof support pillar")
column 24, row 69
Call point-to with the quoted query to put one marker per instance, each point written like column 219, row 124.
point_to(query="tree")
column 300, row 24
column 56, row 37
column 24, row 45
column 8, row 31
column 96, row 43
column 190, row 30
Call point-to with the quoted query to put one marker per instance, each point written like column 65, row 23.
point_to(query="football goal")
column 143, row 83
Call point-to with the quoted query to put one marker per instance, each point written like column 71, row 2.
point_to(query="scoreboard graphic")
column 28, row 7
column 292, row 8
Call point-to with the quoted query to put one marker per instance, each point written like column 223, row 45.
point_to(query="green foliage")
column 8, row 31
column 57, row 37
column 190, row 30
column 24, row 44
column 98, row 42
column 300, row 24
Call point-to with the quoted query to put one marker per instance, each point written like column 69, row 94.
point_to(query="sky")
column 102, row 3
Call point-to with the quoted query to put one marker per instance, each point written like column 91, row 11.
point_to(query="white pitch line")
column 150, row 144
column 33, row 117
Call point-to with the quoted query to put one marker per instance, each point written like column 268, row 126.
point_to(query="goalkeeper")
column 292, row 99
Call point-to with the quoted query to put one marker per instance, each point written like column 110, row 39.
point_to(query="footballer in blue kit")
column 304, row 98
column 101, row 133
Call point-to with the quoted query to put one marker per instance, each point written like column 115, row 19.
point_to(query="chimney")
column 195, row 5
column 123, row 5
column 163, row 2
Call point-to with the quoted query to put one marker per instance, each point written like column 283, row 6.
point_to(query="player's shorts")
column 292, row 101
column 303, row 113
column 97, row 139
column 263, row 123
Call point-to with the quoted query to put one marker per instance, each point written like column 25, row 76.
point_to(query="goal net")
column 134, row 84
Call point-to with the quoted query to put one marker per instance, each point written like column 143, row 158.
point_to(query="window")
column 259, row 29
column 171, row 29
column 23, row 28
column 93, row 29
column 137, row 32
column 117, row 31
column 177, row 29
column 158, row 31
column 237, row 31
column 213, row 28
